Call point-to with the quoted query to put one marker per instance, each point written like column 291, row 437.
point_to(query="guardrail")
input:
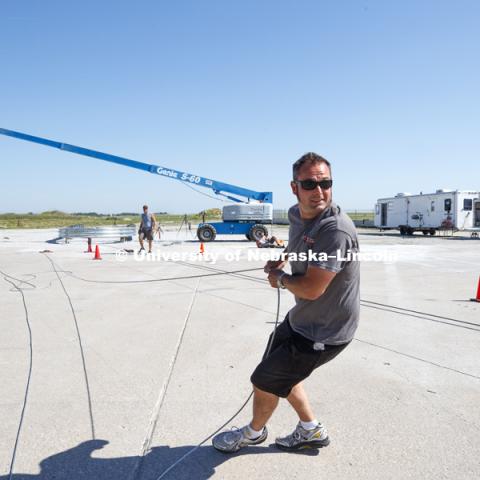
column 120, row 232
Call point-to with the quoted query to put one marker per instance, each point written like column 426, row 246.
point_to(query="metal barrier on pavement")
column 117, row 232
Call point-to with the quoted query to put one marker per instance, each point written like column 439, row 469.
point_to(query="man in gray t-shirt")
column 323, row 256
column 146, row 229
column 331, row 240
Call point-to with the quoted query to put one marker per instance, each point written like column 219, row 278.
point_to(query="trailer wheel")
column 410, row 231
column 403, row 231
column 248, row 237
column 432, row 231
column 206, row 233
column 425, row 232
column 257, row 232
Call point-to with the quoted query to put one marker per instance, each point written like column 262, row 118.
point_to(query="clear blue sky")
column 236, row 91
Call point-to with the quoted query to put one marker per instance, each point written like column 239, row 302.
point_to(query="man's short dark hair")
column 145, row 206
column 309, row 158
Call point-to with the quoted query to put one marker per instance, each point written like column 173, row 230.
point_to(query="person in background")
column 147, row 227
column 272, row 242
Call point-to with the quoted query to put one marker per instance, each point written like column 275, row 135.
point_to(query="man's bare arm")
column 309, row 286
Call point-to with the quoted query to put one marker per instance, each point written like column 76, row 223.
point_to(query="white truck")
column 427, row 213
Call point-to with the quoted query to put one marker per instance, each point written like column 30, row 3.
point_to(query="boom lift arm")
column 247, row 218
column 219, row 188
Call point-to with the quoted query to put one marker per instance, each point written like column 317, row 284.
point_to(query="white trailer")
column 427, row 213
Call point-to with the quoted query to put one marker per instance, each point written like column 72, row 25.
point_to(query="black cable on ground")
column 154, row 280
column 418, row 359
column 8, row 278
column 424, row 316
column 79, row 337
column 237, row 273
column 401, row 309
column 33, row 287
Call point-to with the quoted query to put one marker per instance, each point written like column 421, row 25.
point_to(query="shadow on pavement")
column 78, row 464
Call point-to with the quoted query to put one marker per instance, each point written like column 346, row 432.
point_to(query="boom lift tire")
column 206, row 233
column 257, row 232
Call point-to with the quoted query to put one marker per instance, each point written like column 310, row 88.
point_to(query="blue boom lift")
column 247, row 217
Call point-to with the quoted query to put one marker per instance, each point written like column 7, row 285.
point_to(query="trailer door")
column 383, row 214
column 476, row 222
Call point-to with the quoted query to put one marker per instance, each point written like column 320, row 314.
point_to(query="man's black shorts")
column 146, row 233
column 292, row 359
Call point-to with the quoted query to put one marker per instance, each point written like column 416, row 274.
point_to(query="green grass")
column 358, row 215
column 56, row 219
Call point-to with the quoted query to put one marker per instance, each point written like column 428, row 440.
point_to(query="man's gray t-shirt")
column 147, row 221
column 333, row 317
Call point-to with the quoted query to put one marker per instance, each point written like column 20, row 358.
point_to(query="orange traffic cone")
column 97, row 253
column 89, row 250
column 478, row 293
column 202, row 248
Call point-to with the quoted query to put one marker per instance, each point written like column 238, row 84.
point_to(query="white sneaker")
column 301, row 438
column 236, row 438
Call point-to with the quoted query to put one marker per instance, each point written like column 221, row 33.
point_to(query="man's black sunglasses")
column 311, row 184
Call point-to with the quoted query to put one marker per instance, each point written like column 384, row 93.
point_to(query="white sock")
column 253, row 434
column 309, row 425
